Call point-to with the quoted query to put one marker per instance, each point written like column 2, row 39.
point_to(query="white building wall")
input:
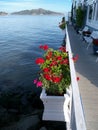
column 93, row 22
column 90, row 1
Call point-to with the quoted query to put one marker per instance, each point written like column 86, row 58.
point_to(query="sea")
column 20, row 38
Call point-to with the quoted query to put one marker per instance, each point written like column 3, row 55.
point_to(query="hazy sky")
column 17, row 5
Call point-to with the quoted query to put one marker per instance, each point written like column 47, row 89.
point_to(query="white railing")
column 77, row 120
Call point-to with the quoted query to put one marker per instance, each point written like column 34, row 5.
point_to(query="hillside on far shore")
column 39, row 11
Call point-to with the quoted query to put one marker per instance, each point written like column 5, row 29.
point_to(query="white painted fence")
column 77, row 120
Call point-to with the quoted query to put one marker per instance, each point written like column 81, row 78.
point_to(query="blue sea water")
column 20, row 37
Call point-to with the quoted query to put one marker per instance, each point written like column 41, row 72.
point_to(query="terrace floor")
column 87, row 69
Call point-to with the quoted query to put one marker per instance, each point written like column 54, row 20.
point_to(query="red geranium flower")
column 59, row 57
column 49, row 55
column 45, row 47
column 39, row 61
column 56, row 79
column 78, row 78
column 75, row 58
column 41, row 46
column 53, row 63
column 47, row 76
column 65, row 61
column 39, row 84
column 46, row 70
column 63, row 49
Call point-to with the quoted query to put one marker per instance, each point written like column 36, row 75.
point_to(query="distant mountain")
column 39, row 11
column 3, row 13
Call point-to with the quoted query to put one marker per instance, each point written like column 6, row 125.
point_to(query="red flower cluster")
column 75, row 58
column 44, row 47
column 46, row 70
column 55, row 69
column 39, row 61
column 52, row 78
column 49, row 55
column 78, row 78
column 47, row 77
column 65, row 61
column 62, row 49
column 56, row 79
column 51, row 62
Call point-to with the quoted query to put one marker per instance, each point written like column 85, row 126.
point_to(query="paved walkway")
column 87, row 70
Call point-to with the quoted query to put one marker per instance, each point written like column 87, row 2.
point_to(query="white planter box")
column 56, row 108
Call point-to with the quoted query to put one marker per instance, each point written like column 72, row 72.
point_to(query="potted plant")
column 54, row 78
column 62, row 24
column 54, row 75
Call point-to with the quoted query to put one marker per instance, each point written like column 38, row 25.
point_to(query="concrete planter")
column 56, row 108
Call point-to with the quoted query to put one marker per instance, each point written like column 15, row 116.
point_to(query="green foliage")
column 62, row 26
column 79, row 17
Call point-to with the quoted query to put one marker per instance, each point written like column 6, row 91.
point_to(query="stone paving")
column 87, row 69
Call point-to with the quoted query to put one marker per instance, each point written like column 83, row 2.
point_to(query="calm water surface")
column 20, row 37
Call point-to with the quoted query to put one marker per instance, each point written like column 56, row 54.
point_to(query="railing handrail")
column 77, row 108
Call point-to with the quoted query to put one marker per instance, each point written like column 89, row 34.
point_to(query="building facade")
column 91, row 8
column 92, row 13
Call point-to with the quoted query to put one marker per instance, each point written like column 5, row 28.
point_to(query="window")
column 90, row 12
column 94, row 7
column 97, row 12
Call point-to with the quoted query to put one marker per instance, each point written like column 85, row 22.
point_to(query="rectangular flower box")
column 56, row 108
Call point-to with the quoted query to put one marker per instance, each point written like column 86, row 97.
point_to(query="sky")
column 18, row 5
